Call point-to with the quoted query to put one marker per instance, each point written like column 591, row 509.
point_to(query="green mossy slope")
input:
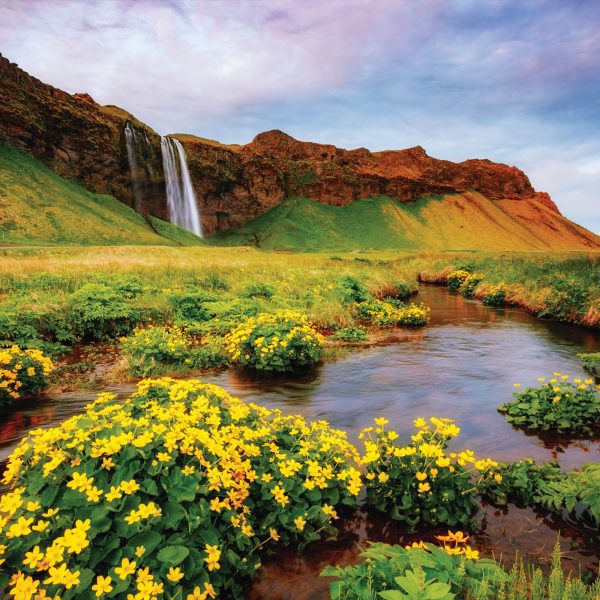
column 452, row 222
column 38, row 207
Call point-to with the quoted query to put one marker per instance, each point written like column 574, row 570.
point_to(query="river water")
column 461, row 366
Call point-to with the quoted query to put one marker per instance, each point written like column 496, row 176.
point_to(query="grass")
column 438, row 223
column 39, row 207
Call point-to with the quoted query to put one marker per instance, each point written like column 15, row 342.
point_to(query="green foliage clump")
column 546, row 486
column 591, row 362
column 457, row 278
column 351, row 290
column 180, row 481
column 421, row 484
column 259, row 290
column 190, row 306
column 426, row 572
column 283, row 341
column 469, row 285
column 566, row 298
column 402, row 289
column 386, row 314
column 495, row 296
column 98, row 312
column 349, row 334
column 159, row 350
column 22, row 372
column 557, row 405
column 154, row 350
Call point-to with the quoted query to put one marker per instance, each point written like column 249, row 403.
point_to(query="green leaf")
column 173, row 555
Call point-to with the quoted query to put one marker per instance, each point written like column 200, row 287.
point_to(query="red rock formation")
column 83, row 140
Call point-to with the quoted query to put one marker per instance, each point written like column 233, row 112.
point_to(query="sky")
column 514, row 81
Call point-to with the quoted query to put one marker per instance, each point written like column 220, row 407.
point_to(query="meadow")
column 183, row 490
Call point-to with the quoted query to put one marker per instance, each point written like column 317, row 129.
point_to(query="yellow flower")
column 274, row 535
column 421, row 476
column 139, row 551
column 127, row 568
column 424, row 487
column 102, row 586
column 107, row 462
column 383, row 477
column 381, row 421
column 174, row 574
column 300, row 523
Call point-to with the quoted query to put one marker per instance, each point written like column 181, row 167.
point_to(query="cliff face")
column 80, row 139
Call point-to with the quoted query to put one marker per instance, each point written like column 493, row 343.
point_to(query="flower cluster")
column 149, row 349
column 22, row 372
column 383, row 313
column 166, row 494
column 556, row 405
column 422, row 483
column 281, row 341
column 456, row 279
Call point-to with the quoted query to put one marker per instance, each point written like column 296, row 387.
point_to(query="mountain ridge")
column 234, row 184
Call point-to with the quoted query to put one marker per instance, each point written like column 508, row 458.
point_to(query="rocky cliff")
column 80, row 139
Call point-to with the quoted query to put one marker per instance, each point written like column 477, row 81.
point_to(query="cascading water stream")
column 131, row 140
column 181, row 200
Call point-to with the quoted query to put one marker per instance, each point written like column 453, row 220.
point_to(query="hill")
column 39, row 207
column 468, row 221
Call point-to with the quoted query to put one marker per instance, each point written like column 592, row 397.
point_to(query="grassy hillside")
column 452, row 222
column 39, row 207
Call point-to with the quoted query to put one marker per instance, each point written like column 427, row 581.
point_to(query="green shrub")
column 568, row 297
column 591, row 362
column 258, row 290
column 349, row 334
column 469, row 285
column 387, row 315
column 495, row 296
column 99, row 312
column 283, row 341
column 181, row 479
column 351, row 290
column 155, row 350
column 456, row 279
column 402, row 289
column 544, row 485
column 557, row 405
column 426, row 572
column 421, row 484
column 22, row 372
column 190, row 306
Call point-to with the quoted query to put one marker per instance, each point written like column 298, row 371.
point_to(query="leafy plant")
column 545, row 485
column 557, row 405
column 98, row 312
column 259, row 289
column 421, row 483
column 349, row 334
column 457, row 278
column 351, row 290
column 495, row 296
column 418, row 572
column 591, row 362
column 170, row 491
column 566, row 297
column 426, row 572
column 469, row 285
column 388, row 315
column 190, row 306
column 283, row 341
column 22, row 372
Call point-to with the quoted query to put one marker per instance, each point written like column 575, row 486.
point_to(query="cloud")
column 508, row 80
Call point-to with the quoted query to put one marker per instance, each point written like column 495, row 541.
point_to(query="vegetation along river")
column 462, row 366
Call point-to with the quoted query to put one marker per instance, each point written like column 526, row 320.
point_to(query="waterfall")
column 131, row 140
column 181, row 200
